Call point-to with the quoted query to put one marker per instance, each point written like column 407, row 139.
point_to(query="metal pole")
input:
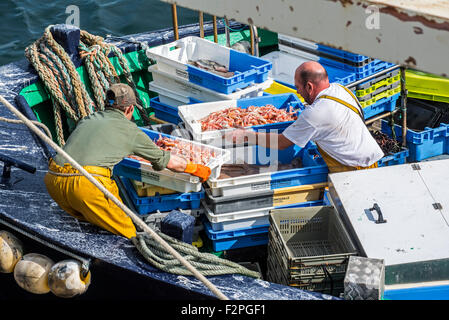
column 404, row 93
column 384, row 115
column 175, row 21
column 228, row 36
column 201, row 21
column 251, row 32
column 215, row 30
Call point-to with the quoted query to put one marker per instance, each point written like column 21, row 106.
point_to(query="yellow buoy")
column 65, row 279
column 31, row 273
column 11, row 251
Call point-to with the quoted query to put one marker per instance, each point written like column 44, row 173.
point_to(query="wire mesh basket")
column 308, row 247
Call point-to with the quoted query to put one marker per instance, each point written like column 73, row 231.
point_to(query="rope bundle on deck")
column 206, row 263
column 63, row 83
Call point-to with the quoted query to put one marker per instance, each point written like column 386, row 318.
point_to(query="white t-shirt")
column 337, row 129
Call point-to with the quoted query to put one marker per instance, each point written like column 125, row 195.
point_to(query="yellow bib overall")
column 334, row 165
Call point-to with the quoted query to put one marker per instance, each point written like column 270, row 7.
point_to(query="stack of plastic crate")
column 166, row 189
column 308, row 248
column 376, row 95
column 237, row 208
column 427, row 116
column 362, row 66
column 178, row 82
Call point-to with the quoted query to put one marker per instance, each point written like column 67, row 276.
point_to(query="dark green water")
column 24, row 21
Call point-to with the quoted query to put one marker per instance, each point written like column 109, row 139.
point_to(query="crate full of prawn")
column 209, row 64
column 209, row 122
column 139, row 169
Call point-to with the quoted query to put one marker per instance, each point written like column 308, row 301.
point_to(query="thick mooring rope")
column 206, row 263
column 137, row 220
column 95, row 51
column 63, row 83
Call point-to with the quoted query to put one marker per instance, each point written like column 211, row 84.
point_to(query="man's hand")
column 198, row 170
column 239, row 136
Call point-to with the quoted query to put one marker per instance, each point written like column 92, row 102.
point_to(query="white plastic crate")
column 237, row 220
column 181, row 182
column 173, row 58
column 187, row 89
column 240, row 185
column 167, row 96
column 285, row 64
column 193, row 113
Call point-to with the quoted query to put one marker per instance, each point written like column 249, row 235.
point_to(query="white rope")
column 108, row 194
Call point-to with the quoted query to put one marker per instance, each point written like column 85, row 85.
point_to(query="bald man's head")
column 310, row 79
column 312, row 71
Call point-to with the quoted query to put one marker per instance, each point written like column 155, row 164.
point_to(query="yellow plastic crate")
column 277, row 88
column 426, row 86
column 148, row 190
column 377, row 85
column 298, row 194
column 387, row 93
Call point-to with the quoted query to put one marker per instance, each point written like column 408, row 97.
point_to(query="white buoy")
column 31, row 273
column 65, row 279
column 11, row 251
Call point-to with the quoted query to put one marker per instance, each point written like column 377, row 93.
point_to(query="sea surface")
column 24, row 21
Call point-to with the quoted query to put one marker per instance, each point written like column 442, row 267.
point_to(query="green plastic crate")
column 426, row 86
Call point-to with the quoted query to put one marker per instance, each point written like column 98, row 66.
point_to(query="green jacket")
column 104, row 138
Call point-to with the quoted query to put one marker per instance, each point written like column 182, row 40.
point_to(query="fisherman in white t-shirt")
column 333, row 120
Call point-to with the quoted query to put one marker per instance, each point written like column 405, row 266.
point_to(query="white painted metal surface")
column 411, row 33
column 415, row 231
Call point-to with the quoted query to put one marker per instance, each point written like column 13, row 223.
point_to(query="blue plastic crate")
column 166, row 112
column 425, row 144
column 342, row 53
column 394, row 159
column 245, row 237
column 320, row 49
column 360, row 72
column 440, row 292
column 343, row 77
column 299, row 177
column 247, row 69
column 191, row 115
column 238, row 238
column 279, row 101
column 173, row 58
column 163, row 203
column 326, row 198
column 383, row 105
column 312, row 155
column 181, row 182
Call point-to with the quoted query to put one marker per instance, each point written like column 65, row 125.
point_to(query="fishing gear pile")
column 387, row 144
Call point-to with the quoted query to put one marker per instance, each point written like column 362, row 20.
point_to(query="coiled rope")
column 63, row 83
column 206, row 263
column 137, row 221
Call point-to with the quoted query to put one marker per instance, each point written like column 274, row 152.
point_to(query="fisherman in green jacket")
column 100, row 141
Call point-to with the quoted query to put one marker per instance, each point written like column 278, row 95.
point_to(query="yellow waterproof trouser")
column 335, row 166
column 83, row 200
